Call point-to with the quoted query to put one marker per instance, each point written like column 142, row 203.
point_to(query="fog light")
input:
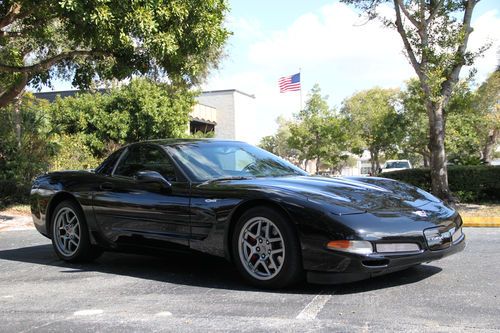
column 397, row 247
column 353, row 246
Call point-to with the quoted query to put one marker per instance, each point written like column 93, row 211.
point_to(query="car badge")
column 420, row 213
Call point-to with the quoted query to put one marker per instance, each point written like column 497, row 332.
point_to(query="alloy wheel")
column 261, row 248
column 67, row 231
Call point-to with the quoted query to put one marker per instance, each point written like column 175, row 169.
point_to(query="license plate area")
column 439, row 238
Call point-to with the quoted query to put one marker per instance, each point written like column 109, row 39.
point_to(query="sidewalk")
column 10, row 221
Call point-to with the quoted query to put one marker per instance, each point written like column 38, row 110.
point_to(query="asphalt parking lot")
column 195, row 292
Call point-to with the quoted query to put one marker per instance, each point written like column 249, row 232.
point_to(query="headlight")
column 352, row 246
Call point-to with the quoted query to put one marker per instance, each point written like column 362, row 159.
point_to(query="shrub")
column 11, row 192
column 469, row 183
column 72, row 154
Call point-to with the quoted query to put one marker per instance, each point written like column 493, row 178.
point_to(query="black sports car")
column 275, row 222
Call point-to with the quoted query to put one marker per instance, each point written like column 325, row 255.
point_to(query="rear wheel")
column 266, row 249
column 70, row 235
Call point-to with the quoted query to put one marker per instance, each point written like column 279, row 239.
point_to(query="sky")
column 331, row 46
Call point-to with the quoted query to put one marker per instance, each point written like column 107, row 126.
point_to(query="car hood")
column 355, row 195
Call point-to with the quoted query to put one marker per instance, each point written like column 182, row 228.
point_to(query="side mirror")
column 147, row 176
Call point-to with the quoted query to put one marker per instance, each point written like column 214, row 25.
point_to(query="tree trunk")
column 491, row 142
column 439, row 170
column 426, row 160
column 15, row 89
column 18, row 119
column 318, row 161
column 375, row 164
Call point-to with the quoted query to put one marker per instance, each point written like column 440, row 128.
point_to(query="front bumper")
column 360, row 267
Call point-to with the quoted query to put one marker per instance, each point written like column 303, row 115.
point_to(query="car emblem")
column 420, row 213
column 210, row 200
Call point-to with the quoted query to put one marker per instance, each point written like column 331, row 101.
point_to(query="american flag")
column 289, row 83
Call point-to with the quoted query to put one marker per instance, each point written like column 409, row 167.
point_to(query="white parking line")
column 311, row 310
column 164, row 314
column 90, row 312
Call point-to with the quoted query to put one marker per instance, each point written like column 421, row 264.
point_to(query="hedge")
column 13, row 193
column 474, row 183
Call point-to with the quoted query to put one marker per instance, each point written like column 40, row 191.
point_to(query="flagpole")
column 300, row 75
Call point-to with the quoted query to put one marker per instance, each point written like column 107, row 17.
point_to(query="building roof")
column 209, row 92
column 51, row 95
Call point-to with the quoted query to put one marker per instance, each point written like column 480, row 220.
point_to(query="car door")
column 130, row 211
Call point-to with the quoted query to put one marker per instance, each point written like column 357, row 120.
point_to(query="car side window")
column 106, row 167
column 145, row 158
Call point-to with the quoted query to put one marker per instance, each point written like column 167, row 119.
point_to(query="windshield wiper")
column 226, row 178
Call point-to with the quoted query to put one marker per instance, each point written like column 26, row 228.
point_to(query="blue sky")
column 332, row 46
column 330, row 43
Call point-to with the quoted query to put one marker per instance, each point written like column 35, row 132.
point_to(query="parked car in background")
column 395, row 165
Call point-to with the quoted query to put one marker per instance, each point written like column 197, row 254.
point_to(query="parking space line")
column 90, row 312
column 311, row 310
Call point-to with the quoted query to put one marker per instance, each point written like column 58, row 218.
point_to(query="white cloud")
column 335, row 48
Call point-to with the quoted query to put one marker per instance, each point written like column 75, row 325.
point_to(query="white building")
column 234, row 113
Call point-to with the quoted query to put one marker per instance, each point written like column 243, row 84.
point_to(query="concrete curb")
column 481, row 221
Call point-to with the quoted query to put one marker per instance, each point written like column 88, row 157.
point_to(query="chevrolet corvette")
column 276, row 223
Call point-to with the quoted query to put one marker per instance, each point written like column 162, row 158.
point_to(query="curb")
column 481, row 221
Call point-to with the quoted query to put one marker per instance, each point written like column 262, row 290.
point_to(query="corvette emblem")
column 420, row 213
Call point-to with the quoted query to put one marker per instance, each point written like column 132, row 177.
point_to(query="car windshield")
column 210, row 160
column 397, row 164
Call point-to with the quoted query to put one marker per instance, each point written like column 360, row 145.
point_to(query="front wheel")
column 70, row 235
column 266, row 249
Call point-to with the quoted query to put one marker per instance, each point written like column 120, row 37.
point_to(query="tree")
column 278, row 143
column 435, row 41
column 141, row 110
column 464, row 124
column 488, row 103
column 318, row 133
column 113, row 39
column 372, row 116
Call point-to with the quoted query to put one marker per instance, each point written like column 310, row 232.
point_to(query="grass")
column 483, row 209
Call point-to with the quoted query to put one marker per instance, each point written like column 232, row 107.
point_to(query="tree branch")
column 402, row 32
column 455, row 72
column 14, row 90
column 47, row 63
column 13, row 14
column 434, row 11
column 407, row 14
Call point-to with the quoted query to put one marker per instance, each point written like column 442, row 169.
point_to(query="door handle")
column 106, row 186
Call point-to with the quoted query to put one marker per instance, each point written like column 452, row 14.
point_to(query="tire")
column 70, row 234
column 269, row 259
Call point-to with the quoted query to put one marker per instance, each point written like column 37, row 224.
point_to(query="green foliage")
column 113, row 39
column 318, row 133
column 465, row 125
column 142, row 110
column 23, row 158
column 373, row 117
column 11, row 192
column 278, row 144
column 77, row 132
column 468, row 183
column 72, row 154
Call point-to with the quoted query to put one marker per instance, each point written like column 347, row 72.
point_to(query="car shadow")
column 200, row 270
